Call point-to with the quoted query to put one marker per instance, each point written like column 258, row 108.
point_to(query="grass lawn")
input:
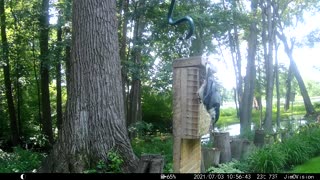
column 311, row 166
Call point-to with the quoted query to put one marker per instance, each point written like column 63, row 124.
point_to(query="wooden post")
column 236, row 148
column 222, row 142
column 245, row 148
column 187, row 77
column 259, row 138
column 150, row 163
column 211, row 157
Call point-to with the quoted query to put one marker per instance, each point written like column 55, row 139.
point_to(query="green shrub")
column 248, row 134
column 115, row 162
column 156, row 144
column 141, row 129
column 303, row 145
column 316, row 105
column 113, row 165
column 19, row 161
column 296, row 151
column 157, row 109
column 274, row 158
column 228, row 112
column 229, row 167
column 269, row 159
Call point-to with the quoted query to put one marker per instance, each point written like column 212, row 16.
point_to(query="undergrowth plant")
column 159, row 143
column 281, row 156
column 229, row 167
column 113, row 165
column 20, row 160
column 115, row 161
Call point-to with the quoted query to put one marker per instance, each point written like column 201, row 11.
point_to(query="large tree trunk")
column 249, row 81
column 7, row 80
column 95, row 123
column 44, row 71
column 306, row 99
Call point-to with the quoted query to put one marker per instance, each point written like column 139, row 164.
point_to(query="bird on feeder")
column 209, row 93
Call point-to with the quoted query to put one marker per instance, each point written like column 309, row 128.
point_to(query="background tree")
column 44, row 71
column 134, row 110
column 7, row 80
column 58, row 57
column 249, row 80
column 282, row 11
column 268, row 36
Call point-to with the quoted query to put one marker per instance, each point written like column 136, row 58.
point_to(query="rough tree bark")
column 44, row 71
column 94, row 123
column 7, row 80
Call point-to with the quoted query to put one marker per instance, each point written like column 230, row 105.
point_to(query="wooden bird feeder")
column 188, row 74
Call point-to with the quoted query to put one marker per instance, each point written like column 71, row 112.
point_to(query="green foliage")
column 317, row 106
column 313, row 88
column 159, row 143
column 208, row 144
column 19, row 161
column 227, row 116
column 303, row 145
column 101, row 167
column 248, row 134
column 113, row 165
column 228, row 112
column 266, row 160
column 115, row 162
column 297, row 151
column 141, row 128
column 157, row 109
column 38, row 140
column 275, row 158
column 229, row 167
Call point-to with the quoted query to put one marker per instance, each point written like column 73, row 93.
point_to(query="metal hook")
column 186, row 18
